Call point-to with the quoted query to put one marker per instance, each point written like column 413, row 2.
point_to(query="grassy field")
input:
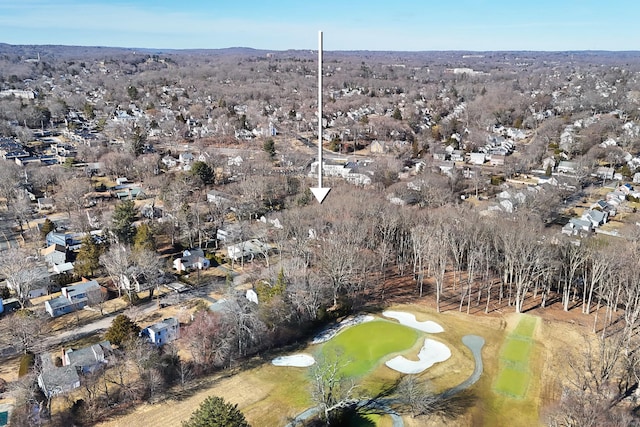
column 514, row 375
column 526, row 326
column 365, row 344
column 516, row 351
column 512, row 382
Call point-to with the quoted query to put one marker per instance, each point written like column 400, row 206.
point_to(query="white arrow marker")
column 320, row 192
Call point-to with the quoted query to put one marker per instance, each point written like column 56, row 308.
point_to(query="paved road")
column 72, row 334
column 96, row 326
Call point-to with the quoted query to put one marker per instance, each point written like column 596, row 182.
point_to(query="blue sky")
column 412, row 25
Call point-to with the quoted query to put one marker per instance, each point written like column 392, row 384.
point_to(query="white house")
column 191, row 259
column 567, row 167
column 169, row 161
column 477, row 158
column 162, row 332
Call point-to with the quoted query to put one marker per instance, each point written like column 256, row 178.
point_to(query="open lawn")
column 512, row 382
column 516, row 351
column 364, row 345
column 526, row 326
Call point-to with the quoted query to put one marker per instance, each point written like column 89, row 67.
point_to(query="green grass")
column 526, row 326
column 365, row 344
column 516, row 351
column 512, row 382
column 513, row 378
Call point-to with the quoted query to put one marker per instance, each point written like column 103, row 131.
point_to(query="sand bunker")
column 300, row 360
column 409, row 320
column 431, row 352
column 331, row 332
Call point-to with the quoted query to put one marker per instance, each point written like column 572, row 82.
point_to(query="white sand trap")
column 432, row 352
column 409, row 320
column 331, row 332
column 300, row 360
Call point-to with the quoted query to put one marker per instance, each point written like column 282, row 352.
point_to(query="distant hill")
column 26, row 52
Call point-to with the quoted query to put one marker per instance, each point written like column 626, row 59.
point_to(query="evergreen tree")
column 203, row 171
column 88, row 259
column 269, row 147
column 122, row 222
column 122, row 330
column 215, row 412
column 397, row 114
column 144, row 238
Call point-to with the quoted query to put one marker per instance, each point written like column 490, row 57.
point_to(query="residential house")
column 72, row 241
column 162, row 332
column 596, row 217
column 457, row 156
column 445, row 168
column 135, row 281
column 151, row 211
column 248, row 249
column 46, row 203
column 604, row 206
column 626, row 188
column 349, row 172
column 56, row 380
column 440, row 155
column 65, row 267
column 577, row 226
column 54, row 254
column 129, row 193
column 477, row 158
column 169, row 161
column 616, row 197
column 229, row 233
column 219, row 198
column 191, row 259
column 186, row 158
column 58, row 306
column 82, row 291
column 87, row 359
column 605, row 173
column 9, row 305
column 567, row 167
column 74, row 297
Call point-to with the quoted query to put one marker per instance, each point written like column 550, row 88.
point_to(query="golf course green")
column 364, row 345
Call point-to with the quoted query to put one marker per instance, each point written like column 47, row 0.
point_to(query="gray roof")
column 59, row 380
column 82, row 288
column 58, row 302
column 88, row 356
column 165, row 324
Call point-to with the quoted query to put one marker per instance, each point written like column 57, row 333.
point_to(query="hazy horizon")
column 404, row 25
